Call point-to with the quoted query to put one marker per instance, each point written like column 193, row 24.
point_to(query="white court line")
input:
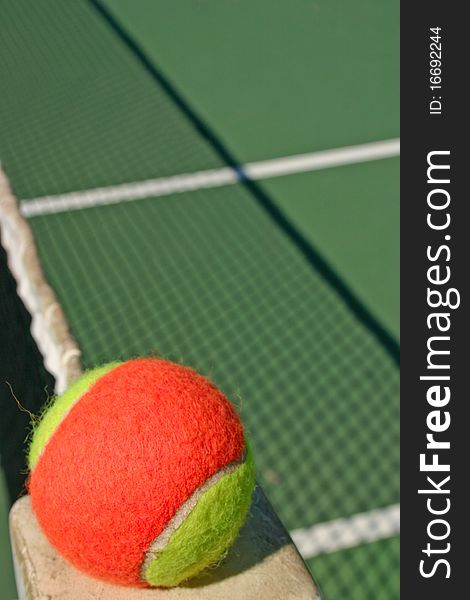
column 341, row 534
column 164, row 186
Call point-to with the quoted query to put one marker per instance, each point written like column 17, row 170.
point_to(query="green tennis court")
column 282, row 287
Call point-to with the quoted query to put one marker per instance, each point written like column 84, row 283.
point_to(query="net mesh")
column 22, row 377
column 207, row 277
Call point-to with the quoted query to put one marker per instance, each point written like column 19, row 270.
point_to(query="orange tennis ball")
column 140, row 473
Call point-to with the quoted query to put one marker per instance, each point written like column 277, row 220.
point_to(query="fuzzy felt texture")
column 138, row 442
column 208, row 531
column 55, row 411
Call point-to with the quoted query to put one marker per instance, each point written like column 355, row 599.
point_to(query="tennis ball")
column 140, row 473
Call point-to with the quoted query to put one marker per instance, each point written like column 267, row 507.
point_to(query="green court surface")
column 332, row 83
column 352, row 214
column 378, row 562
column 226, row 292
column 286, row 291
column 290, row 77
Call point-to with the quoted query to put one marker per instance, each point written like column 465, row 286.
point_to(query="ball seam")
column 163, row 538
